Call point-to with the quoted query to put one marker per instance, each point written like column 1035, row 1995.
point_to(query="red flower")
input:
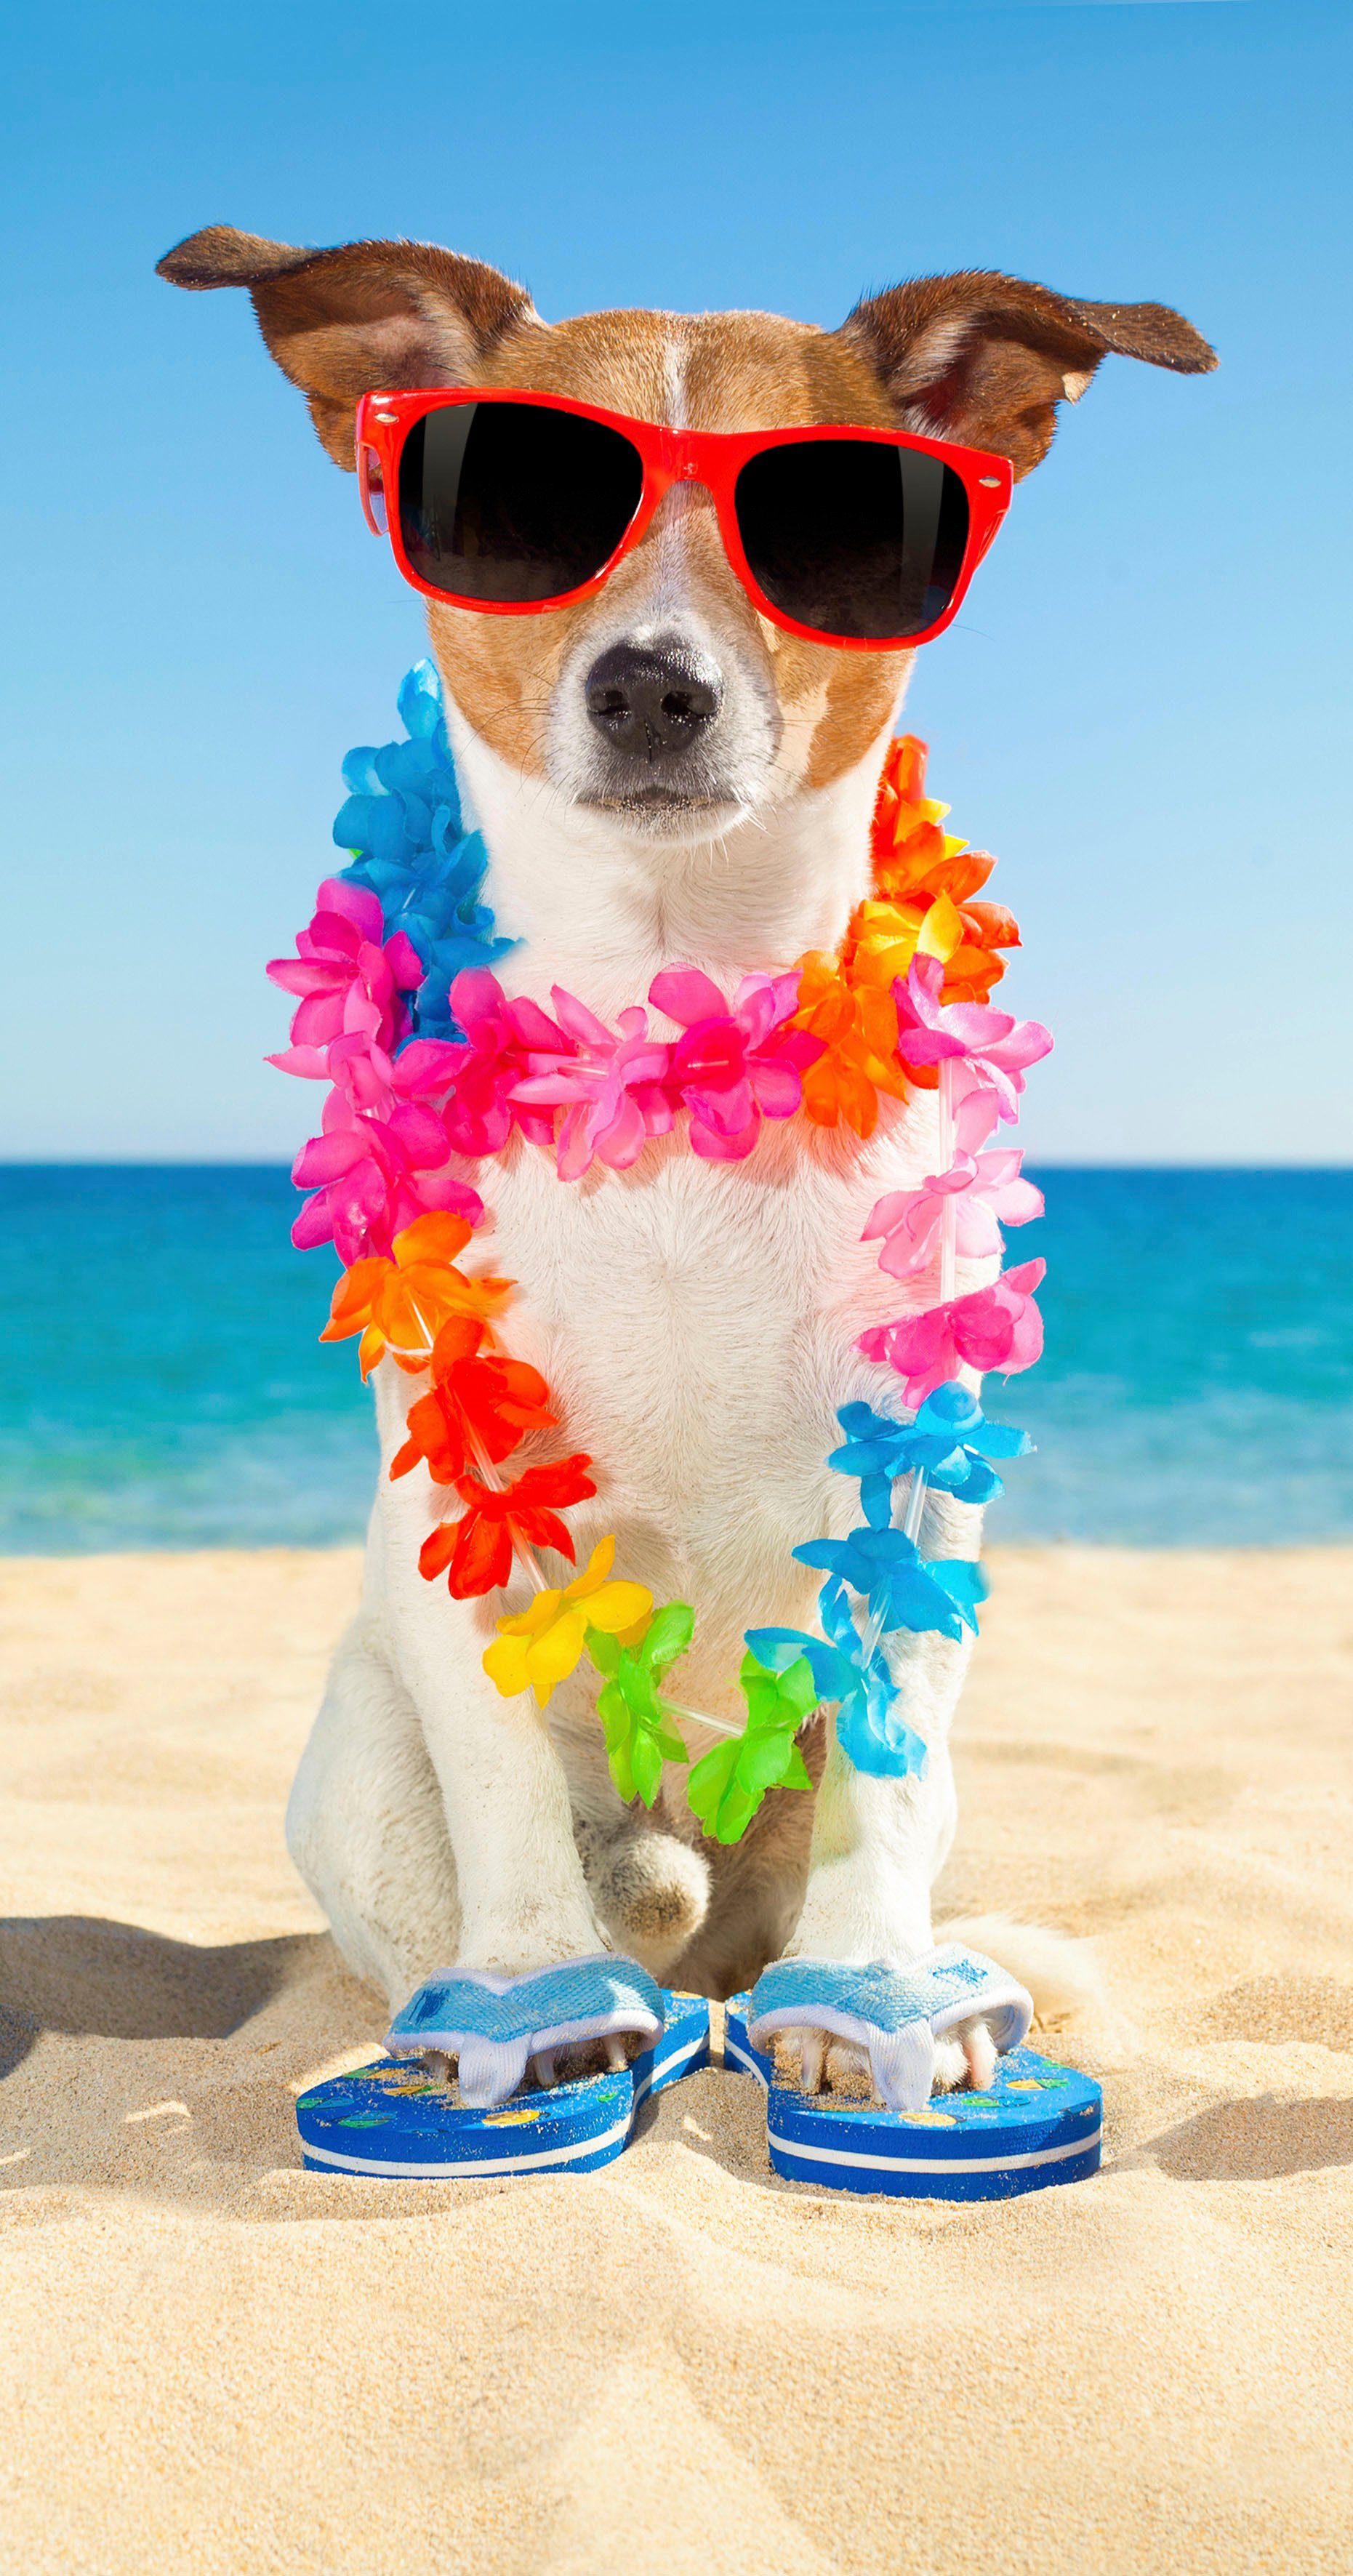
column 475, row 1552
column 479, row 1406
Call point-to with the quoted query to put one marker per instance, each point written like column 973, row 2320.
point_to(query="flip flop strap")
column 894, row 2013
column 492, row 2025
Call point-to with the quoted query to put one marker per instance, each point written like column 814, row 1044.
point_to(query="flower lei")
column 432, row 1065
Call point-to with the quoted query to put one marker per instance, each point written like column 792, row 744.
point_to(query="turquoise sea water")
column 162, row 1385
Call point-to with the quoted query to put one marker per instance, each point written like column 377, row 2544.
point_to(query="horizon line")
column 257, row 1163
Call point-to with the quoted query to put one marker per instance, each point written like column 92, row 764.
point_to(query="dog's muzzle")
column 656, row 708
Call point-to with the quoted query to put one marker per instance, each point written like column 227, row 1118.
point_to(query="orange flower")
column 902, row 810
column 931, row 862
column 857, row 1029
column 916, row 867
column 400, row 1305
column 974, row 967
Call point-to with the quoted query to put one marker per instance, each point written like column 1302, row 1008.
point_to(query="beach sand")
column 212, row 2361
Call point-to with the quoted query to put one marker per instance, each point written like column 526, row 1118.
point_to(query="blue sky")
column 1143, row 708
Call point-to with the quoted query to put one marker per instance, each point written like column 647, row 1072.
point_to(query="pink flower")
column 499, row 1036
column 996, row 1046
column 349, row 977
column 375, row 1083
column 610, row 1086
column 377, row 1167
column 985, row 1192
column 994, row 1328
column 733, row 1068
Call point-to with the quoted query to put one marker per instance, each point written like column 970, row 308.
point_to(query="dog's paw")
column 549, row 2066
column 567, row 2065
column 816, row 2061
column 965, row 2058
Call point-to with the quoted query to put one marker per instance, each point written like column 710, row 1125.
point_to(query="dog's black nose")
column 653, row 701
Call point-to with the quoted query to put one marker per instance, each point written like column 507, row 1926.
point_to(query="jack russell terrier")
column 664, row 771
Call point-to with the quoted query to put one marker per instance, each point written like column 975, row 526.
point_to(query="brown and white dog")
column 697, row 1320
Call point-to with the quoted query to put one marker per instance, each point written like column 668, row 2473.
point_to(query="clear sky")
column 1144, row 708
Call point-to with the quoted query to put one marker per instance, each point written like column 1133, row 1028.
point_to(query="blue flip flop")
column 391, row 2118
column 1037, row 2123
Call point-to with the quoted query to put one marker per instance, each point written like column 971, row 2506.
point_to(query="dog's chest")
column 697, row 1321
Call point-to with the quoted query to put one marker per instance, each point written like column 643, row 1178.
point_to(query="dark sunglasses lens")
column 510, row 502
column 853, row 537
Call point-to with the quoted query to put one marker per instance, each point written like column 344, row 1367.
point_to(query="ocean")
column 163, row 1386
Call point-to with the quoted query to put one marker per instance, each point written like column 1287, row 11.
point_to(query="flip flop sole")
column 1037, row 2124
column 387, row 2119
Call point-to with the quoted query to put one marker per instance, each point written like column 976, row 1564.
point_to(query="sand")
column 210, row 2360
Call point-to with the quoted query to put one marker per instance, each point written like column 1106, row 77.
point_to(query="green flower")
column 639, row 1734
column 728, row 1784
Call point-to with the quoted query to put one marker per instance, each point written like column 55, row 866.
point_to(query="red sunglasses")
column 517, row 502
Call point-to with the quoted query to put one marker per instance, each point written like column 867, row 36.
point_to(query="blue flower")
column 404, row 826
column 887, row 1569
column 869, row 1729
column 950, row 1438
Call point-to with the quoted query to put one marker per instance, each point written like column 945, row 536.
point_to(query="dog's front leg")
column 879, row 1844
column 523, row 1899
column 522, row 1896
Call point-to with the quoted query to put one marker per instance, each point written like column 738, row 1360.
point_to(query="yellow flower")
column 888, row 935
column 541, row 1645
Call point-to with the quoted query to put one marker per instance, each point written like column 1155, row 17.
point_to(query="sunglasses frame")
column 711, row 458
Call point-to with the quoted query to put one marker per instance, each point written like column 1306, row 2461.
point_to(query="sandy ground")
column 210, row 2360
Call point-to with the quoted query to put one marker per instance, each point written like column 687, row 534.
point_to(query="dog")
column 662, row 774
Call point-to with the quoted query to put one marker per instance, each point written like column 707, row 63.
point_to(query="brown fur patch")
column 340, row 322
column 985, row 359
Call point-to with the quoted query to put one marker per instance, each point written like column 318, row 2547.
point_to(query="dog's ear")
column 985, row 359
column 341, row 322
